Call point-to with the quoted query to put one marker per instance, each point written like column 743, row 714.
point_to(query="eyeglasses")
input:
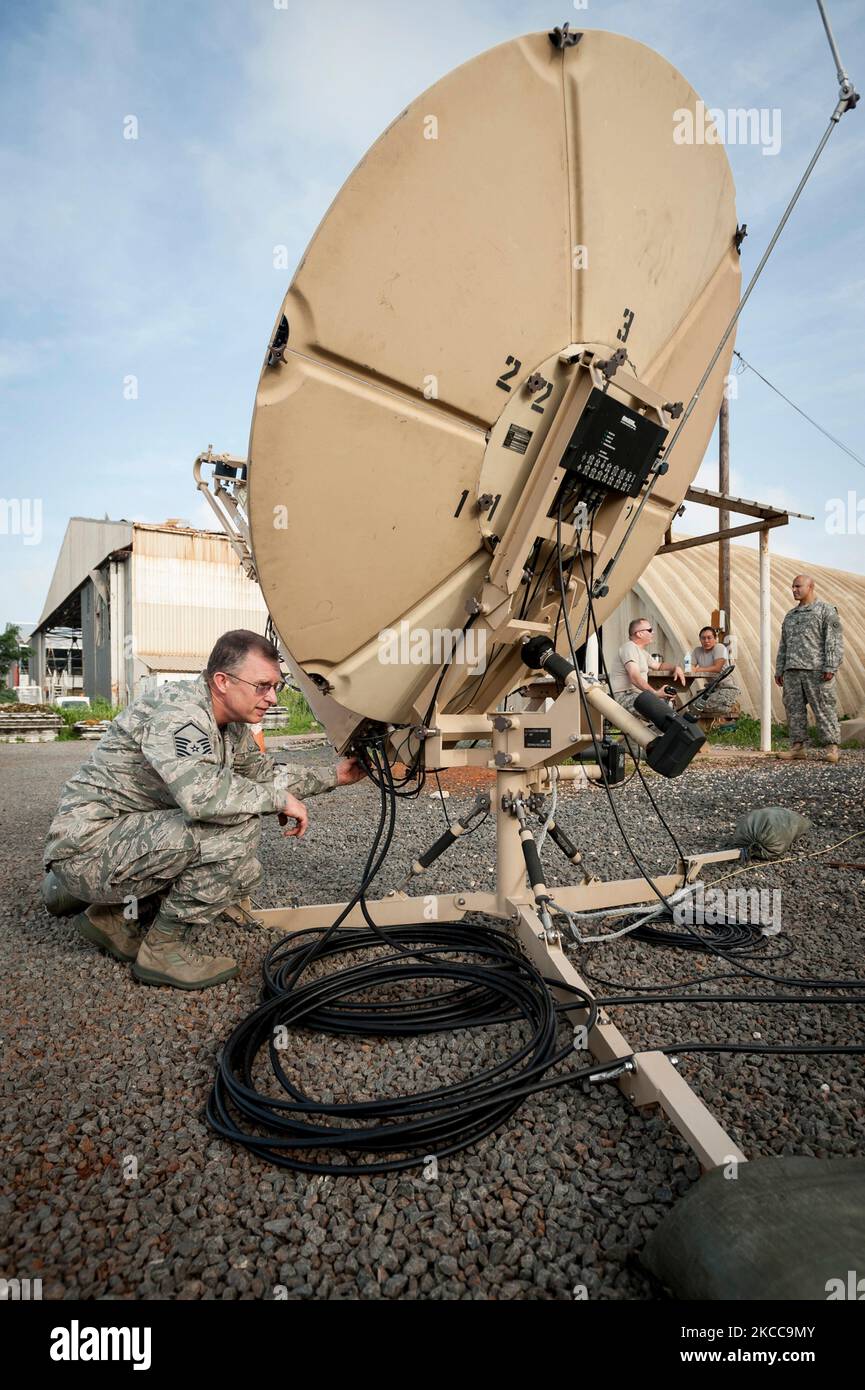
column 641, row 630
column 260, row 687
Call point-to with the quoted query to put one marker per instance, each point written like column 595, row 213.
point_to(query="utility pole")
column 724, row 515
column 765, row 645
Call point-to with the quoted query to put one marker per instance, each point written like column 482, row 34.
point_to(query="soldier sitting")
column 710, row 657
column 164, row 817
column 630, row 667
column 809, row 653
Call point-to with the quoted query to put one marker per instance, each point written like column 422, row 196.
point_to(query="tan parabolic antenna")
column 529, row 216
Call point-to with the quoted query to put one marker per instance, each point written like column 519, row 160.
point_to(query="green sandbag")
column 789, row 1228
column 769, row 832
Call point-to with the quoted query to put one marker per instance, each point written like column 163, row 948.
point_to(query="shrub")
column 747, row 734
column 71, row 714
column 299, row 718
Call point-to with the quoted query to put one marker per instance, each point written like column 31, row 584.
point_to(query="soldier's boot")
column 56, row 899
column 106, row 926
column 833, row 754
column 167, row 957
column 796, row 750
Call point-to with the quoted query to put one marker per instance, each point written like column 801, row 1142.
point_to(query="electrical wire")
column 593, row 623
column 838, row 442
column 487, row 981
column 586, row 714
column 442, row 797
column 728, row 945
column 482, row 980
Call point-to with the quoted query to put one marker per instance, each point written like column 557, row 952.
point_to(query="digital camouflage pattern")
column 169, row 803
column 626, row 698
column 724, row 699
column 804, row 688
column 812, row 642
column 811, row 639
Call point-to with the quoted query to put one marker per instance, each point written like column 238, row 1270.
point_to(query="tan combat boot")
column 106, row 926
column 833, row 753
column 796, row 750
column 165, row 957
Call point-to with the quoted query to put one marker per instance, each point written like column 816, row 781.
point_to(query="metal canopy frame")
column 769, row 517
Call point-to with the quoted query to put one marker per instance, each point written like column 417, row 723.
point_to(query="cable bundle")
column 492, row 983
column 486, row 981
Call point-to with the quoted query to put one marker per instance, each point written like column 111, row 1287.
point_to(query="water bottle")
column 686, row 663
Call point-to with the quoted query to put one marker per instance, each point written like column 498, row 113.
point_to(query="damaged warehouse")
column 148, row 602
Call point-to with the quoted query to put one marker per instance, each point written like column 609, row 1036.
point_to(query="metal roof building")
column 679, row 592
column 149, row 602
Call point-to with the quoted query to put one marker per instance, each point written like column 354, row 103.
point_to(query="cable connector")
column 612, row 1073
column 848, row 97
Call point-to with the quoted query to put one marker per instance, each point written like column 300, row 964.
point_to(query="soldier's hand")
column 779, row 680
column 828, row 675
column 348, row 770
column 292, row 809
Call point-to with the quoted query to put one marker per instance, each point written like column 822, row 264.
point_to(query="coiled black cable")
column 487, row 981
column 739, row 937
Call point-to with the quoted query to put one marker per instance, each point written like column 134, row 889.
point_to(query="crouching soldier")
column 164, row 817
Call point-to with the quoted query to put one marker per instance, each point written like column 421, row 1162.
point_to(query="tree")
column 10, row 647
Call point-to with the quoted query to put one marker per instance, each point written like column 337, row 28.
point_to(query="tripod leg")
column 397, row 909
column 653, row 1080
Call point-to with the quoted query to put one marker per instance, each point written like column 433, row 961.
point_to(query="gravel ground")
column 115, row 1188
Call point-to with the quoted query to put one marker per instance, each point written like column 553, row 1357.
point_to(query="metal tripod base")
column 652, row 1079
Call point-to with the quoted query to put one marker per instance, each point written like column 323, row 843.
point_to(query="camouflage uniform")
column 724, row 699
column 811, row 642
column 170, row 804
column 626, row 698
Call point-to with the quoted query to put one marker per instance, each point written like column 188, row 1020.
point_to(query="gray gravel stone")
column 97, row 1071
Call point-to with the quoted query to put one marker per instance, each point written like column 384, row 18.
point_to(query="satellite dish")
column 529, row 217
column 471, row 392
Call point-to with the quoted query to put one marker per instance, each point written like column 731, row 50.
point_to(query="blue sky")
column 153, row 257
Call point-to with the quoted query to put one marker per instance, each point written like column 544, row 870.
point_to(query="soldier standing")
column 809, row 653
column 164, row 817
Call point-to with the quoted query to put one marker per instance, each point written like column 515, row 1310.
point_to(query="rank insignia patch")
column 191, row 740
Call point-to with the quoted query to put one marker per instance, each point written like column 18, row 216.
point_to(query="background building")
column 131, row 605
